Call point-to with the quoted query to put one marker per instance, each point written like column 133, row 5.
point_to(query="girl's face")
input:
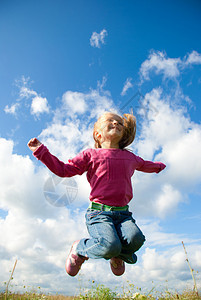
column 110, row 129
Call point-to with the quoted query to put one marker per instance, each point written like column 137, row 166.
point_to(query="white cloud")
column 193, row 58
column 74, row 102
column 101, row 85
column 159, row 63
column 168, row 135
column 38, row 105
column 155, row 235
column 98, row 38
column 12, row 109
column 19, row 180
column 26, row 92
column 167, row 201
column 31, row 229
column 127, row 85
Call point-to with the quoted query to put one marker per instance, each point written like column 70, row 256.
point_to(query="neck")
column 109, row 145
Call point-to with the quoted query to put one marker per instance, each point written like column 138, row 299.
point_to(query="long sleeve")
column 149, row 166
column 76, row 166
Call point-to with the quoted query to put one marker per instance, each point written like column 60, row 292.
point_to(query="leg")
column 104, row 241
column 74, row 261
column 131, row 238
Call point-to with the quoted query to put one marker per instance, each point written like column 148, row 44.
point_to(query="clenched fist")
column 33, row 144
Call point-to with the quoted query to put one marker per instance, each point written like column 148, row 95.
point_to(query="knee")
column 110, row 248
column 137, row 241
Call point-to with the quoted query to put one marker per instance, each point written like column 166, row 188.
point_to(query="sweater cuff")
column 161, row 167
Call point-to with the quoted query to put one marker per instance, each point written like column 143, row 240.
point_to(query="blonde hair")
column 129, row 123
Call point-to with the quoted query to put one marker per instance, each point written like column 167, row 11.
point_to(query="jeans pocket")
column 92, row 213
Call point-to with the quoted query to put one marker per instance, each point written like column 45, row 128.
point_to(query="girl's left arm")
column 149, row 166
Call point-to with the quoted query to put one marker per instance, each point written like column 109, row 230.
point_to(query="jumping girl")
column 109, row 167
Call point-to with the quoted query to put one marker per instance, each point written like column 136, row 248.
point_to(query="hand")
column 33, row 144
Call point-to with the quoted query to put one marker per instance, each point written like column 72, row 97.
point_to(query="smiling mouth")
column 115, row 128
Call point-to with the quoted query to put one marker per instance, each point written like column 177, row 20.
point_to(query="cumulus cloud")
column 74, row 102
column 193, row 58
column 168, row 135
column 38, row 105
column 155, row 235
column 32, row 226
column 97, row 39
column 19, row 180
column 159, row 63
column 170, row 264
column 127, row 85
column 172, row 131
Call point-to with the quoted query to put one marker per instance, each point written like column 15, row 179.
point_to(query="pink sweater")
column 109, row 171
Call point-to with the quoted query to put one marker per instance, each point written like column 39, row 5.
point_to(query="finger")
column 31, row 142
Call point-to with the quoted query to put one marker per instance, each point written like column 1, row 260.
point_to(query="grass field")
column 101, row 292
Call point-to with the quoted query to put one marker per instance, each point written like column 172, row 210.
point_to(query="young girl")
column 113, row 232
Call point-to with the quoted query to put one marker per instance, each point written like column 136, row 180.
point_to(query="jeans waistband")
column 98, row 206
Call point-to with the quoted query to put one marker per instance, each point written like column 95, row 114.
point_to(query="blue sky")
column 62, row 64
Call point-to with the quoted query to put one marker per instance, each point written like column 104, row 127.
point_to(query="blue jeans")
column 112, row 234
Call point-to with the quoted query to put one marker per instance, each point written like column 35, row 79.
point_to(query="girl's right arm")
column 76, row 166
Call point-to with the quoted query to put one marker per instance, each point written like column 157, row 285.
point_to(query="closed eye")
column 112, row 120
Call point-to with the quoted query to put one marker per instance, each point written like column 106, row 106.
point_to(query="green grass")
column 101, row 292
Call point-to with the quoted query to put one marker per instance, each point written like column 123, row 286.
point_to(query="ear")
column 97, row 135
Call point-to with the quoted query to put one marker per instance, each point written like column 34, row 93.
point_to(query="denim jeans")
column 112, row 234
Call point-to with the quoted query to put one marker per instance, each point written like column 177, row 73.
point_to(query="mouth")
column 115, row 128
